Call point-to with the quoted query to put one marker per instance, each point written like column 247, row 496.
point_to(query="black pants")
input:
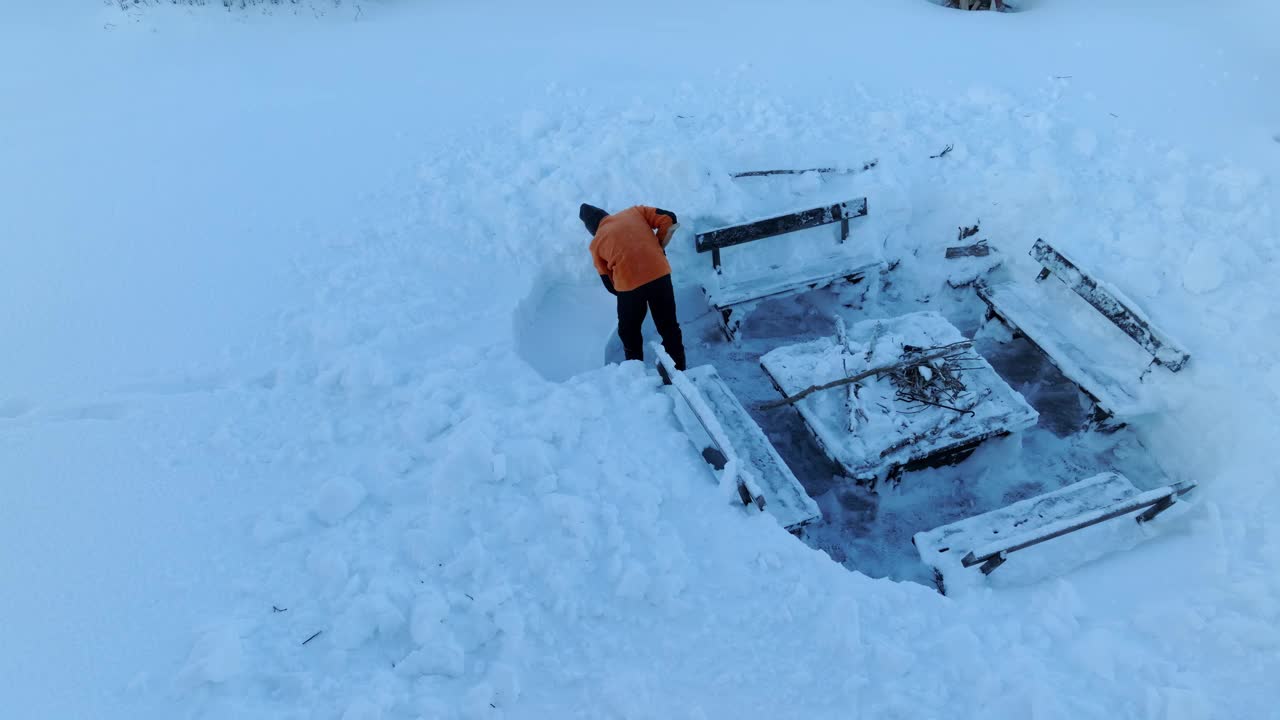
column 659, row 297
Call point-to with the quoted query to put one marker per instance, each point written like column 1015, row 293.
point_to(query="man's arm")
column 602, row 267
column 662, row 221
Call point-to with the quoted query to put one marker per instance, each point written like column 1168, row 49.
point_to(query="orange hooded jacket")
column 626, row 250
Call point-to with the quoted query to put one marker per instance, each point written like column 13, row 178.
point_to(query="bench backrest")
column 993, row 554
column 713, row 240
column 1150, row 338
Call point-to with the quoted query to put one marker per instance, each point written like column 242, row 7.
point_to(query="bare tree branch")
column 916, row 360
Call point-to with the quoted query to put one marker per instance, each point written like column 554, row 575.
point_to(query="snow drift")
column 373, row 506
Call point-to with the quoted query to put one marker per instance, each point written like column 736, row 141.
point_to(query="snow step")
column 728, row 293
column 987, row 540
column 732, row 442
column 1095, row 337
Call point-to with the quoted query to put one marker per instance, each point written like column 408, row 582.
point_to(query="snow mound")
column 516, row 537
column 337, row 499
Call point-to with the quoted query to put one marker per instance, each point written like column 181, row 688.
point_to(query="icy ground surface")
column 871, row 531
column 302, row 412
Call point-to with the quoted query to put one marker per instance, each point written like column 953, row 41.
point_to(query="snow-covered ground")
column 302, row 337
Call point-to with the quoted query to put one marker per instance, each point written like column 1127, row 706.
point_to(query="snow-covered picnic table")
column 871, row 428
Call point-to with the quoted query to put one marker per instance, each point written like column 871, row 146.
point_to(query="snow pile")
column 382, row 511
column 530, row 548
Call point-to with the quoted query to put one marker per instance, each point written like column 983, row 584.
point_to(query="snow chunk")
column 505, row 683
column 444, row 657
column 468, row 454
column 534, row 124
column 1205, row 269
column 281, row 525
column 368, row 614
column 807, row 183
column 479, row 702
column 337, row 499
column 1273, row 381
column 634, row 582
column 217, row 657
column 1178, row 704
column 386, row 615
column 353, row 628
column 1085, row 143
column 362, row 710
column 428, row 613
column 328, row 567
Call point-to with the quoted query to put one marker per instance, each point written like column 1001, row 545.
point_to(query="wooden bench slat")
column 987, row 539
column 780, row 225
column 1091, row 352
column 732, row 297
column 1031, row 537
column 768, row 480
column 785, row 497
column 813, row 274
column 963, row 536
column 1113, row 308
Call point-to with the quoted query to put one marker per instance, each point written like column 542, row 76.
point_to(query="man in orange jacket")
column 627, row 248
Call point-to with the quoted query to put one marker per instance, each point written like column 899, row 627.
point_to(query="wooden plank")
column 1159, row 497
column 805, row 277
column 986, row 540
column 1100, row 360
column 786, row 498
column 978, row 249
column 780, row 225
column 709, row 428
column 1160, row 346
column 952, row 540
column 844, row 171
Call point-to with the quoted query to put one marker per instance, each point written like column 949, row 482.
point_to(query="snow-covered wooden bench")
column 988, row 539
column 1089, row 331
column 730, row 294
column 735, row 446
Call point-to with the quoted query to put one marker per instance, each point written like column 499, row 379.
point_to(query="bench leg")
column 857, row 279
column 1151, row 512
column 730, row 321
column 890, row 479
column 1102, row 421
column 991, row 316
column 990, row 565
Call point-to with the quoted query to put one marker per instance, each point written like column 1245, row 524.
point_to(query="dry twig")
column 842, row 171
column 934, row 354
